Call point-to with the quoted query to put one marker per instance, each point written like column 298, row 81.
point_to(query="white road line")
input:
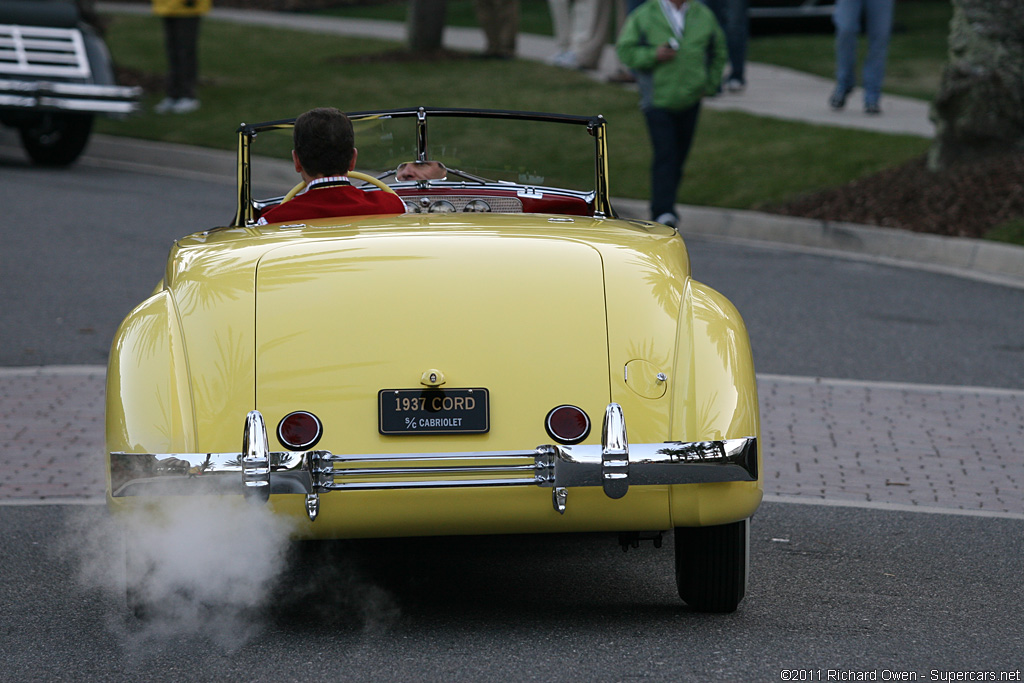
column 891, row 507
column 30, row 502
column 892, row 386
column 54, row 370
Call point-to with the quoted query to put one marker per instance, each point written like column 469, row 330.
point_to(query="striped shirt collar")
column 676, row 16
column 327, row 181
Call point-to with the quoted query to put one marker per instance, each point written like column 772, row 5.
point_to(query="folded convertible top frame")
column 614, row 466
column 595, row 125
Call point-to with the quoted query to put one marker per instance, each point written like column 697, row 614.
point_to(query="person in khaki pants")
column 181, row 40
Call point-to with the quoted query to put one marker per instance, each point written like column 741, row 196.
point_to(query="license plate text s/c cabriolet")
column 434, row 411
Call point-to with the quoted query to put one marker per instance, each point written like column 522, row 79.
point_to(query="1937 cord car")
column 505, row 357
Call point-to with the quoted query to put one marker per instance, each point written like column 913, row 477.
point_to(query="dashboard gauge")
column 477, row 206
column 442, row 206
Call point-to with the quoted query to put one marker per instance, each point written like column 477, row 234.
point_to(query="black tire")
column 56, row 139
column 711, row 565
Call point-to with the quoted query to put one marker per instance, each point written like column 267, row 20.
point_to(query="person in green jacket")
column 678, row 51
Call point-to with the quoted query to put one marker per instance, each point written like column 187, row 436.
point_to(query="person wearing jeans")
column 677, row 50
column 878, row 26
column 671, row 134
column 732, row 15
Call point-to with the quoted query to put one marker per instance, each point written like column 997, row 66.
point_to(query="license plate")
column 433, row 411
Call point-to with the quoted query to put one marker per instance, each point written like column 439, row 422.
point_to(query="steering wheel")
column 355, row 175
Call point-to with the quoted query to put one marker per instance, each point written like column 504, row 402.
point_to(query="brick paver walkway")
column 832, row 440
column 946, row 447
column 52, row 425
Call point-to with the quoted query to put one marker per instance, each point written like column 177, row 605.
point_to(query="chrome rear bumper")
column 257, row 471
column 80, row 98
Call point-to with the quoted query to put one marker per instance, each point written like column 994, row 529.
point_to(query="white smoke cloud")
column 207, row 566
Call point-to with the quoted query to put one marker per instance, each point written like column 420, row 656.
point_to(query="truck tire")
column 56, row 139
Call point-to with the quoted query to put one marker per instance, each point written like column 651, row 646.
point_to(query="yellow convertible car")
column 505, row 357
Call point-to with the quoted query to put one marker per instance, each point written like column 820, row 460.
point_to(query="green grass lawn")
column 917, row 51
column 261, row 74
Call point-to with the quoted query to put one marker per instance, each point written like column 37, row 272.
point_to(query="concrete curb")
column 982, row 259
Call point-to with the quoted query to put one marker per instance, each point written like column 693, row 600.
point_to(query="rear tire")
column 711, row 565
column 56, row 139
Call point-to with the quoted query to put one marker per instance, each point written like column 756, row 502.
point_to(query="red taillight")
column 567, row 424
column 299, row 431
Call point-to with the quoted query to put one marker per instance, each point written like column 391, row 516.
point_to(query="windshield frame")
column 245, row 213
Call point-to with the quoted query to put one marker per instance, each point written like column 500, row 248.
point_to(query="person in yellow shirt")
column 181, row 40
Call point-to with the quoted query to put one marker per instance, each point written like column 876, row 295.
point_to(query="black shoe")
column 872, row 109
column 838, row 99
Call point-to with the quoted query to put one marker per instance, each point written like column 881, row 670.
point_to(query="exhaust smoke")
column 220, row 569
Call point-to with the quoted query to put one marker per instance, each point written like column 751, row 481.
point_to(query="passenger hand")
column 665, row 53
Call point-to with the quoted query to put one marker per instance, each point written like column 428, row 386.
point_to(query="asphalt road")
column 831, row 589
column 842, row 589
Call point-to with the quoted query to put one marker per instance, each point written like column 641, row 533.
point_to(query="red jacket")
column 334, row 200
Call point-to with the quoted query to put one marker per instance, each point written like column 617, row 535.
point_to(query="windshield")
column 523, row 152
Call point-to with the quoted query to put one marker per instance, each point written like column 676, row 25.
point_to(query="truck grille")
column 40, row 51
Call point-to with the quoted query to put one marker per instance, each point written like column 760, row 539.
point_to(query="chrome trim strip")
column 427, row 484
column 427, row 471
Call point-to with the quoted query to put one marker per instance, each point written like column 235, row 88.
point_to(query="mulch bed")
column 966, row 201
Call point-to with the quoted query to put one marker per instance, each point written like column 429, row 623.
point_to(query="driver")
column 324, row 153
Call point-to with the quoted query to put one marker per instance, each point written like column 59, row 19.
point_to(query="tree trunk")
column 980, row 106
column 426, row 25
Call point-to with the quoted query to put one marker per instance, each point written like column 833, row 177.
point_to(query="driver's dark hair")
column 324, row 140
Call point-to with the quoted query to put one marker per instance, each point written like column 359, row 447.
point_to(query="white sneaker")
column 566, row 60
column 667, row 219
column 735, row 85
column 166, row 105
column 185, row 105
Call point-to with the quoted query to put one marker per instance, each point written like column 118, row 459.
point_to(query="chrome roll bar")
column 615, row 465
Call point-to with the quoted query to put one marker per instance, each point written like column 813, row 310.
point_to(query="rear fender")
column 716, row 399
column 149, row 398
